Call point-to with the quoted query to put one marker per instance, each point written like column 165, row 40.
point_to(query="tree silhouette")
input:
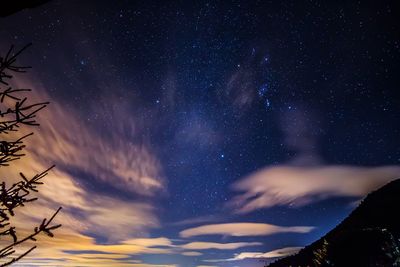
column 15, row 112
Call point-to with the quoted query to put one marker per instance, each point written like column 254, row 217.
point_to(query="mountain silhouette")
column 369, row 236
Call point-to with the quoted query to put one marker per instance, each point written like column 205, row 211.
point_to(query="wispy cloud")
column 282, row 252
column 192, row 253
column 107, row 152
column 243, row 229
column 107, row 157
column 69, row 248
column 298, row 186
column 222, row 246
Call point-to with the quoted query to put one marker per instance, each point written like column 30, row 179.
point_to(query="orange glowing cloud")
column 116, row 161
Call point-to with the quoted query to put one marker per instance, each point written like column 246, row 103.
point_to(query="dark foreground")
column 369, row 236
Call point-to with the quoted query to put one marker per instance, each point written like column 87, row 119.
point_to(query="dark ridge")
column 369, row 236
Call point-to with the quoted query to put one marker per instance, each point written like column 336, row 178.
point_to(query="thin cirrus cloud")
column 106, row 152
column 288, row 185
column 243, row 229
column 192, row 253
column 220, row 246
column 129, row 166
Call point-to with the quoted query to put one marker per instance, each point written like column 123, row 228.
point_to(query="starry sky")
column 205, row 133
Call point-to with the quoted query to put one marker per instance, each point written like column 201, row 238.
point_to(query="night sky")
column 206, row 133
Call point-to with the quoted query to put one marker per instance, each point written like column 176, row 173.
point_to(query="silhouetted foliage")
column 15, row 112
column 321, row 255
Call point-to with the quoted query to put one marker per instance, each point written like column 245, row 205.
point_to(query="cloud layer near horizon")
column 282, row 252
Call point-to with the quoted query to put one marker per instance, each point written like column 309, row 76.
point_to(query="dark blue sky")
column 216, row 91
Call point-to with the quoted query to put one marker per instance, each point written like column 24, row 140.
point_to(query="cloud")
column 112, row 223
column 150, row 242
column 103, row 157
column 243, row 229
column 91, row 262
column 71, row 249
column 282, row 252
column 108, row 157
column 297, row 186
column 192, row 253
column 221, row 246
column 107, row 152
